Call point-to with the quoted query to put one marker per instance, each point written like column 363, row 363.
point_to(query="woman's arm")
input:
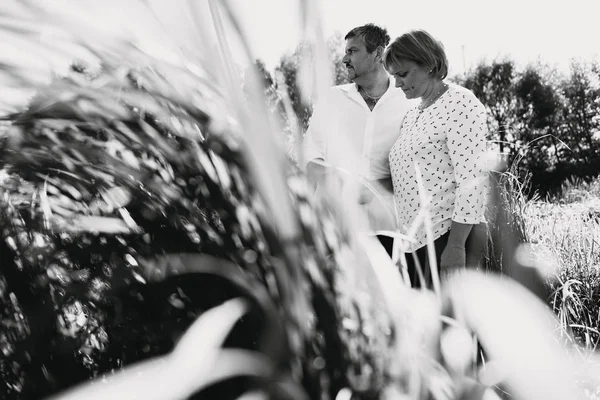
column 454, row 254
column 466, row 140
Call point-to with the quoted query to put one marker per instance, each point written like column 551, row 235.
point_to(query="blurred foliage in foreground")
column 129, row 207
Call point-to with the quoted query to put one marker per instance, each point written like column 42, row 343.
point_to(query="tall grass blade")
column 515, row 329
column 265, row 158
column 196, row 361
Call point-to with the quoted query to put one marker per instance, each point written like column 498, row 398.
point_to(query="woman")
column 442, row 140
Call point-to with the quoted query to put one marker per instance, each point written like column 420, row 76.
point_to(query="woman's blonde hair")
column 420, row 47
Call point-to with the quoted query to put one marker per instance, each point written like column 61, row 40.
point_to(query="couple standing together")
column 377, row 129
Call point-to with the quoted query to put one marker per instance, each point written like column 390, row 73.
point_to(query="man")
column 354, row 126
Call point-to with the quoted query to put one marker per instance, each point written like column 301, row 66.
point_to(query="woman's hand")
column 453, row 258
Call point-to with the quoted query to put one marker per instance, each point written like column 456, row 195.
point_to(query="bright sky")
column 552, row 31
column 525, row 30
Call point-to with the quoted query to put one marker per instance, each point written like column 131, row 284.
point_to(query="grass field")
column 565, row 235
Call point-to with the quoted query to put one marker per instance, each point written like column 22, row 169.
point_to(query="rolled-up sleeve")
column 466, row 140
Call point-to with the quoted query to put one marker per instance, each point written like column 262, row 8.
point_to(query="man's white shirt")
column 357, row 141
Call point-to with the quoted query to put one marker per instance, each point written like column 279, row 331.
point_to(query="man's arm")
column 315, row 145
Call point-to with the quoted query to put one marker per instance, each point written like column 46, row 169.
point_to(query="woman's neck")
column 433, row 90
column 430, row 96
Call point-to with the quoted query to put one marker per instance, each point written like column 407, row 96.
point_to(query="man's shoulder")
column 397, row 93
column 336, row 93
column 398, row 98
column 341, row 89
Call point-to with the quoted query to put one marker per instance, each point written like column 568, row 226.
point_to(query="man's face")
column 412, row 78
column 357, row 60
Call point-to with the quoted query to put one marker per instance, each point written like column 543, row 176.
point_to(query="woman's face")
column 412, row 78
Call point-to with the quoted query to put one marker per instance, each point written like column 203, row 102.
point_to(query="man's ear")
column 379, row 53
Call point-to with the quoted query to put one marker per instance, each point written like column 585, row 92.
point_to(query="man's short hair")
column 373, row 36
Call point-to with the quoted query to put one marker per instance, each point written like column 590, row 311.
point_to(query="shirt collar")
column 352, row 90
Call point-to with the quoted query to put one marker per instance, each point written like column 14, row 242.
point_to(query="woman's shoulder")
column 463, row 94
column 461, row 91
column 457, row 89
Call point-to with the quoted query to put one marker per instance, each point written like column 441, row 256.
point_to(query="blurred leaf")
column 514, row 328
column 197, row 361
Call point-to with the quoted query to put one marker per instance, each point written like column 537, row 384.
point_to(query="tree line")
column 545, row 123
